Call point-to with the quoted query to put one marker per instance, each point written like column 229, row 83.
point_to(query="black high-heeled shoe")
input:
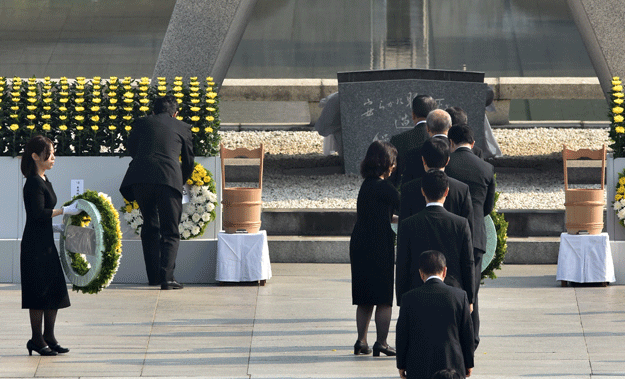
column 361, row 348
column 30, row 345
column 379, row 348
column 58, row 348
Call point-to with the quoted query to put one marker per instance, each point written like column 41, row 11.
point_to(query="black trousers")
column 478, row 254
column 161, row 208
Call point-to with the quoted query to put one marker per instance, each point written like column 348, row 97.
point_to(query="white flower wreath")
column 196, row 214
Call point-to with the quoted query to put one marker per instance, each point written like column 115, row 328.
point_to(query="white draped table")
column 585, row 258
column 243, row 257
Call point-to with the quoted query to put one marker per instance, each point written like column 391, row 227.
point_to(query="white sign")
column 78, row 187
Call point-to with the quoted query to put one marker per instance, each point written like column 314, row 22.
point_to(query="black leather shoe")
column 361, row 348
column 173, row 285
column 379, row 348
column 30, row 345
column 58, row 348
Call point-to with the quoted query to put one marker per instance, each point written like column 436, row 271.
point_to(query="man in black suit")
column 480, row 177
column 421, row 106
column 459, row 117
column 158, row 144
column 434, row 228
column 435, row 156
column 438, row 123
column 434, row 328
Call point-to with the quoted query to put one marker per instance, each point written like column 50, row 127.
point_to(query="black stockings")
column 48, row 318
column 382, row 321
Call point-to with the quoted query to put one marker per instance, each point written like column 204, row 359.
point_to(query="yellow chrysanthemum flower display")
column 84, row 105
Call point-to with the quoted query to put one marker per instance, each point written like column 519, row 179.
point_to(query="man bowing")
column 161, row 148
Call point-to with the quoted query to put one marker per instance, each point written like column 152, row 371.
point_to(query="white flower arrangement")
column 196, row 214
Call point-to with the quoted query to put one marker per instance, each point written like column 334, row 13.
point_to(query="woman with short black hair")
column 44, row 290
column 371, row 249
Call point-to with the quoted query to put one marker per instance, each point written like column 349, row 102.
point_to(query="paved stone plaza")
column 302, row 325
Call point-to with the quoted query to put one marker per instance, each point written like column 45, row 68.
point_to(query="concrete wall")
column 505, row 88
column 600, row 24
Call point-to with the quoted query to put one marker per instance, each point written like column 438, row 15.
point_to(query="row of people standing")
column 436, row 212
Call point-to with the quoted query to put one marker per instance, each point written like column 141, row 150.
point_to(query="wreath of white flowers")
column 111, row 237
column 196, row 214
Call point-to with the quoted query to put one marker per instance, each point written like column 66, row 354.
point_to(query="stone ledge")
column 340, row 222
column 505, row 88
column 304, row 249
column 533, row 250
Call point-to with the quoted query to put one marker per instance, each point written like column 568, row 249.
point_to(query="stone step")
column 335, row 249
column 340, row 222
column 264, row 115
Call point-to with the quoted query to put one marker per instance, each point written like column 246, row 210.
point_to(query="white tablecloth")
column 242, row 257
column 585, row 258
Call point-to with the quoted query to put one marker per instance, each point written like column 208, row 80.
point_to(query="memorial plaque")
column 375, row 105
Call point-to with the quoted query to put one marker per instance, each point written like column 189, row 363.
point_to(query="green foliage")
column 94, row 117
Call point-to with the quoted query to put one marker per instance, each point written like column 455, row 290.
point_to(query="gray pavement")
column 302, row 325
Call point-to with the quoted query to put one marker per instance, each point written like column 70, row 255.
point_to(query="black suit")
column 480, row 177
column 434, row 331
column 478, row 152
column 405, row 142
column 434, row 228
column 413, row 162
column 458, row 200
column 158, row 144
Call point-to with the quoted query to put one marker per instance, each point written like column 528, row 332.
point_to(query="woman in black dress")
column 43, row 285
column 372, row 247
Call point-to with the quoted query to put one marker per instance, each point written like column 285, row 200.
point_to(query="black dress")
column 372, row 245
column 43, row 282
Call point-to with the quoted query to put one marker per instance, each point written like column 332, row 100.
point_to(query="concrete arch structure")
column 202, row 37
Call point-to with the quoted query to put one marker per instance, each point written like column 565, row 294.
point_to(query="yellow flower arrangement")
column 618, row 205
column 617, row 127
column 197, row 213
column 42, row 104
